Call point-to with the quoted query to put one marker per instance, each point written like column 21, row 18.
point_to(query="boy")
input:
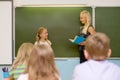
column 97, row 50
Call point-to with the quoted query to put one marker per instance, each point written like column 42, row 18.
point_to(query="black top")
column 83, row 34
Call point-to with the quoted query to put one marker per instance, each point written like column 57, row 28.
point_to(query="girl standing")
column 42, row 36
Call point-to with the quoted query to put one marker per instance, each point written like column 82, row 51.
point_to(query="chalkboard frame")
column 70, row 46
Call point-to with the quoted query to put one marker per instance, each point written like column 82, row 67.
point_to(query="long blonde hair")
column 88, row 18
column 23, row 55
column 40, row 30
column 41, row 65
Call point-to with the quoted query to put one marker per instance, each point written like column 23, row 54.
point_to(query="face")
column 44, row 34
column 83, row 19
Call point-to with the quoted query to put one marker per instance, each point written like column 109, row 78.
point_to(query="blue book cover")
column 77, row 39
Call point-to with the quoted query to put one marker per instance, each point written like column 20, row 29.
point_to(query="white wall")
column 66, row 2
column 104, row 3
column 5, row 32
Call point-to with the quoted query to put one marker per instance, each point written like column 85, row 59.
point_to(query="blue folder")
column 77, row 39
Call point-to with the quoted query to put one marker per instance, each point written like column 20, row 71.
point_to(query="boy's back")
column 96, row 70
column 97, row 51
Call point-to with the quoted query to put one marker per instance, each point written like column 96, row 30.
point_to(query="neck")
column 85, row 25
column 42, row 40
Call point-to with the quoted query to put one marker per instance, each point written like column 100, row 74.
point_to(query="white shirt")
column 96, row 70
column 41, row 42
column 47, row 43
column 25, row 77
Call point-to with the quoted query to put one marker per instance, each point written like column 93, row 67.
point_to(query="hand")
column 83, row 43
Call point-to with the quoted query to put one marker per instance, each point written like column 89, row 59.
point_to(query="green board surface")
column 107, row 20
column 62, row 23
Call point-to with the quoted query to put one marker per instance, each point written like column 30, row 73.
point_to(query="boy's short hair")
column 97, row 46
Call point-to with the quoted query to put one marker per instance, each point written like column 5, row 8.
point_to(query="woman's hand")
column 83, row 43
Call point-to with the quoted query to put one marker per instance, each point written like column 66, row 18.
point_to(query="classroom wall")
column 104, row 3
column 5, row 32
column 66, row 67
column 72, row 2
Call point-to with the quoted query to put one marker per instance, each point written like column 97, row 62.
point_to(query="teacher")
column 85, row 30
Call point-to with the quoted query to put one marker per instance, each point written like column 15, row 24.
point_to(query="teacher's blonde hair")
column 87, row 15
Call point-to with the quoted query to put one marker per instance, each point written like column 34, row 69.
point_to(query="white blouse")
column 25, row 77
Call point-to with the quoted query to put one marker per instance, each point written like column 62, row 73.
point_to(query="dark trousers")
column 81, row 52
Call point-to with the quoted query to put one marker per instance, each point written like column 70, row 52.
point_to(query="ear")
column 86, row 54
column 109, row 53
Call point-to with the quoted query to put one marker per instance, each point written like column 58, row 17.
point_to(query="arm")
column 83, row 43
column 91, row 30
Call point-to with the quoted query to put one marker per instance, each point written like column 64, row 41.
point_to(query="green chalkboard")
column 62, row 23
column 108, row 21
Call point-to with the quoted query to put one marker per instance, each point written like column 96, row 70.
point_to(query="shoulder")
column 114, row 70
column 23, row 77
column 80, row 71
column 114, row 66
column 91, row 29
column 49, row 42
column 35, row 42
column 21, row 66
column 18, row 68
column 81, row 67
column 81, row 27
column 17, row 71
